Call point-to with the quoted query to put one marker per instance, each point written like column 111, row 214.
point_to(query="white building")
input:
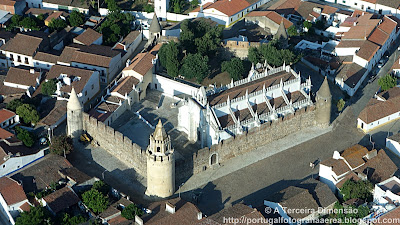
column 383, row 108
column 375, row 6
column 129, row 44
column 21, row 80
column 86, row 82
column 226, row 12
column 393, row 143
column 12, row 198
column 221, row 113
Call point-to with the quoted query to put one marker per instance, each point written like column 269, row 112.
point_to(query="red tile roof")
column 272, row 15
column 228, row 7
column 6, row 114
column 142, row 62
column 367, row 50
column 61, row 199
column 388, row 25
column 11, row 191
column 5, row 134
column 378, row 37
column 88, row 37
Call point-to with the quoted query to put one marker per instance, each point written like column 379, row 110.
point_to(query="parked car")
column 380, row 63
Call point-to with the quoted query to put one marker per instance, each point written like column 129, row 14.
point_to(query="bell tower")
column 160, row 164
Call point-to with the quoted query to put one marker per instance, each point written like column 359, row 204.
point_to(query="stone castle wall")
column 116, row 144
column 254, row 138
column 238, row 49
column 130, row 153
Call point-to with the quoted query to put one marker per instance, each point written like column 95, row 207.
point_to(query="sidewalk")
column 249, row 158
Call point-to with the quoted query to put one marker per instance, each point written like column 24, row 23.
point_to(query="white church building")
column 266, row 94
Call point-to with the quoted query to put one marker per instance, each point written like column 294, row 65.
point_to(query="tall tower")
column 160, row 164
column 324, row 104
column 155, row 28
column 74, row 116
column 160, row 8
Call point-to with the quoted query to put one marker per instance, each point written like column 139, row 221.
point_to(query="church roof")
column 159, row 133
column 155, row 26
column 324, row 91
column 281, row 33
column 73, row 102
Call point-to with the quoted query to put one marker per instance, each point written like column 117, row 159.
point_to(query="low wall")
column 116, row 144
column 254, row 138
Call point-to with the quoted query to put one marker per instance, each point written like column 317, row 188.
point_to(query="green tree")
column 195, row 66
column 292, row 31
column 28, row 138
column 14, row 104
column 28, row 113
column 169, row 58
column 307, row 24
column 254, row 55
column 57, row 24
column 387, row 82
column 49, row 87
column 76, row 18
column 75, row 220
column 357, row 189
column 61, row 144
column 101, row 187
column 234, row 67
column 115, row 26
column 340, row 104
column 95, row 200
column 148, row 8
column 36, row 216
column 320, row 24
column 352, row 213
column 194, row 3
column 40, row 17
column 130, row 211
column 29, row 23
column 112, row 6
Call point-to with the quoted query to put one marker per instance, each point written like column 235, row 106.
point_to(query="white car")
column 380, row 63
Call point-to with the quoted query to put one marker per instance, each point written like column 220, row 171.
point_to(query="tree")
column 234, row 67
column 36, row 216
column 61, row 144
column 112, row 6
column 28, row 113
column 254, row 55
column 194, row 3
column 115, row 26
column 49, row 87
column 28, row 138
column 29, row 23
column 148, row 8
column 95, row 200
column 13, row 105
column 320, row 24
column 357, row 189
column 292, row 31
column 130, row 211
column 75, row 220
column 195, row 66
column 349, row 214
column 169, row 58
column 76, row 18
column 307, row 25
column 57, row 24
column 101, row 187
column 387, row 82
column 340, row 104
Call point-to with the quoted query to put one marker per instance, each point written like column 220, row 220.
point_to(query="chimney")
column 32, row 71
column 170, row 208
column 138, row 220
column 336, row 155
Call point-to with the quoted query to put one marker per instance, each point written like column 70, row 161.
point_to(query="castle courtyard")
column 154, row 107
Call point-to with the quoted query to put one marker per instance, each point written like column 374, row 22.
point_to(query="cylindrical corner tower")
column 323, row 104
column 160, row 164
column 74, row 116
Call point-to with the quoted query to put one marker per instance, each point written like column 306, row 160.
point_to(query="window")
column 380, row 11
column 92, row 86
column 355, row 3
column 26, row 60
column 12, row 57
column 19, row 58
column 344, row 1
column 158, row 149
column 368, row 7
column 362, row 6
column 37, row 63
column 85, row 93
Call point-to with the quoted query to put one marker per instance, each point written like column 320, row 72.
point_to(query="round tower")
column 160, row 164
column 155, row 29
column 323, row 104
column 74, row 116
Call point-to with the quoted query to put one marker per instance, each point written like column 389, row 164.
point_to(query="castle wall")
column 254, row 138
column 116, row 144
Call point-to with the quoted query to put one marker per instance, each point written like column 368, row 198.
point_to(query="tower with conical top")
column 74, row 116
column 160, row 164
column 155, row 29
column 323, row 104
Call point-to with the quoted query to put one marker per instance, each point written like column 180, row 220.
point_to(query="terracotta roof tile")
column 6, row 114
column 272, row 15
column 22, row 44
column 228, row 7
column 5, row 134
column 88, row 37
column 61, row 199
column 46, row 57
column 142, row 62
column 235, row 211
column 351, row 73
column 71, row 72
column 368, row 50
column 22, row 76
column 338, row 166
column 126, row 85
column 11, row 191
column 329, row 9
column 388, row 25
column 392, row 216
column 354, row 155
column 378, row 168
column 378, row 37
column 26, row 207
